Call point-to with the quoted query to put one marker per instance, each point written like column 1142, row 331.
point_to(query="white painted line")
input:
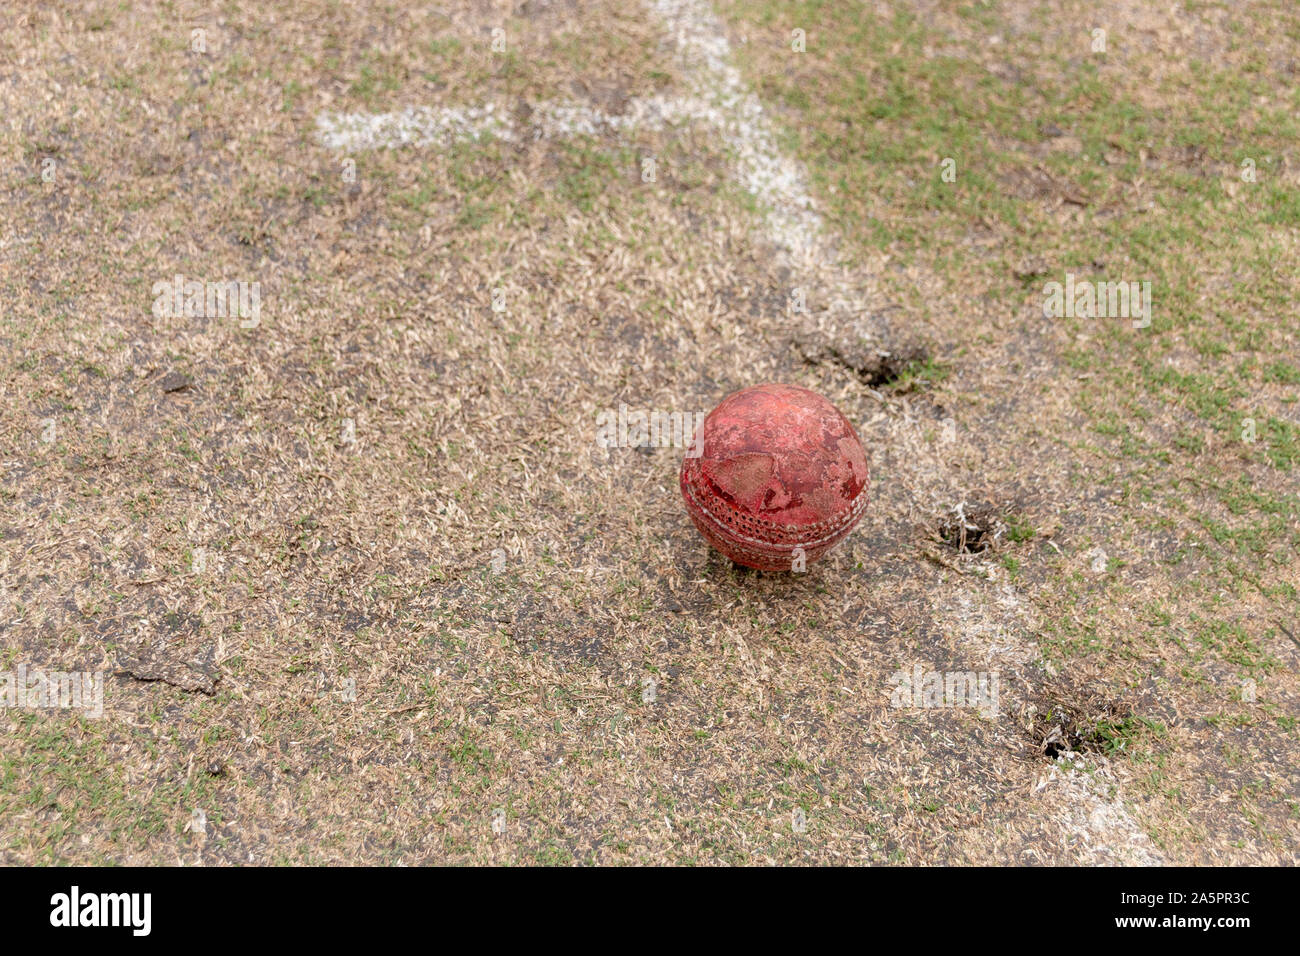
column 716, row 96
column 415, row 126
column 778, row 182
column 1107, row 834
column 551, row 119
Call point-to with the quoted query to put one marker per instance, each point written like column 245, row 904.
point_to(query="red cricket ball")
column 776, row 477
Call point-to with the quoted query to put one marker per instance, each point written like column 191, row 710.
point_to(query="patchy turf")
column 1162, row 458
column 368, row 590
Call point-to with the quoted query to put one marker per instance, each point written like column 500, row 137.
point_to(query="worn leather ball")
column 776, row 477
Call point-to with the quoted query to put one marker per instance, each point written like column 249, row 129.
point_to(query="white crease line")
column 1108, row 833
column 550, row 119
column 414, row 126
column 718, row 97
column 1103, row 829
column 778, row 182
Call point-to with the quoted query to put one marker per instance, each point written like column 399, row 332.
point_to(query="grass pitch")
column 367, row 589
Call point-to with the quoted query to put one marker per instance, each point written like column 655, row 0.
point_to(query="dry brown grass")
column 455, row 606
